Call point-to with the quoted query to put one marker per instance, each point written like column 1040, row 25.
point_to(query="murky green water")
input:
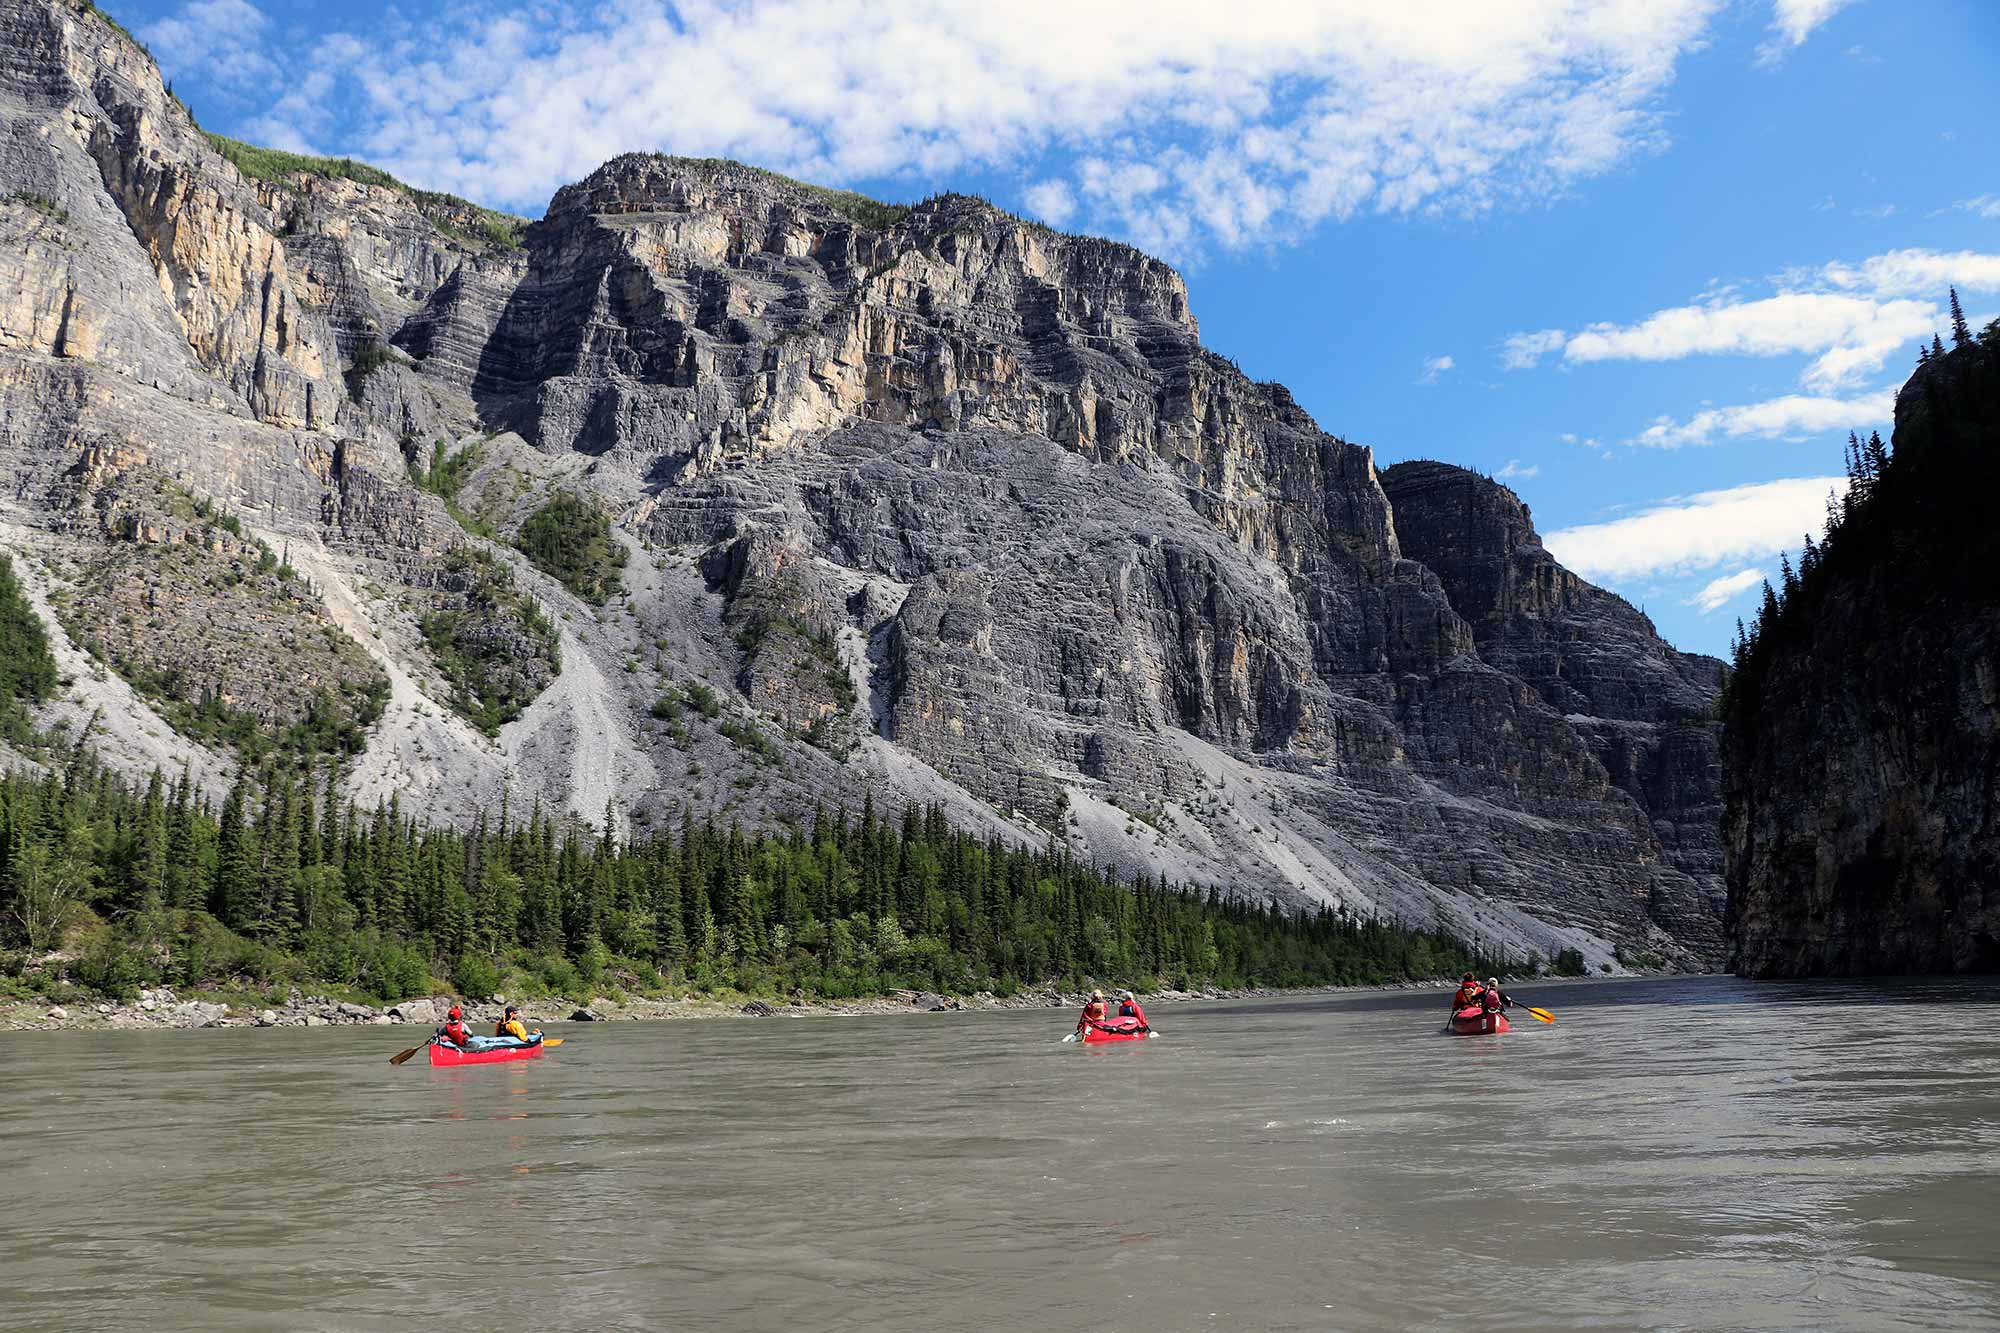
column 1703, row 1154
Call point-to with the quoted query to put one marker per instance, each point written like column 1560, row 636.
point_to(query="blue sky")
column 1646, row 260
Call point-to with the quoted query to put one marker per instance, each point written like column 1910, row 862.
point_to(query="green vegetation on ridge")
column 496, row 230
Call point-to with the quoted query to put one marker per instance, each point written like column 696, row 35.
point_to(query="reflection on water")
column 1691, row 1154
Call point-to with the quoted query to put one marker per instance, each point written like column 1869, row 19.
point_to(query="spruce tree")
column 149, row 858
column 1960, row 334
column 1877, row 454
column 234, row 892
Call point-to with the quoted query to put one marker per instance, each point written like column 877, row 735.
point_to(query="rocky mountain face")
column 1862, row 828
column 1645, row 709
column 929, row 503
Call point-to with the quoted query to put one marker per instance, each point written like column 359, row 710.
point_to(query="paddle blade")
column 1070, row 1037
column 1542, row 1014
column 553, row 1041
column 398, row 1059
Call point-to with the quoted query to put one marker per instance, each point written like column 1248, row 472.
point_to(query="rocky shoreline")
column 163, row 1010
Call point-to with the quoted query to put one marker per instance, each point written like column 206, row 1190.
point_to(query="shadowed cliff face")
column 1646, row 710
column 1863, row 723
column 944, row 505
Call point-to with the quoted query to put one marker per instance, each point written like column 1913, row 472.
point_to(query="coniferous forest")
column 279, row 885
column 282, row 884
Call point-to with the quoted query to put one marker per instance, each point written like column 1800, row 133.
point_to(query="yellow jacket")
column 511, row 1028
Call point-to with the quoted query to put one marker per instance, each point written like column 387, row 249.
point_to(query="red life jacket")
column 1467, row 997
column 455, row 1033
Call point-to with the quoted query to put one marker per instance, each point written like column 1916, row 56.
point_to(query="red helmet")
column 455, row 1013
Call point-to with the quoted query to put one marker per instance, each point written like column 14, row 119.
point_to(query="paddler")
column 1093, row 1013
column 512, row 1026
column 1494, row 1000
column 454, row 1029
column 1128, row 1007
column 1469, row 993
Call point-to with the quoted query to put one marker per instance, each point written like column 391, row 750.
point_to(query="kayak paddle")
column 1542, row 1014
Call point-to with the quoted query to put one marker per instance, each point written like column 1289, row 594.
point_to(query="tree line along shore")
column 108, row 887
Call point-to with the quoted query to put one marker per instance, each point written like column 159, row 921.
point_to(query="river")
column 1670, row 1154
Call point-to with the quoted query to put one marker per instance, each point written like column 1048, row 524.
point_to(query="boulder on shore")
column 758, row 1009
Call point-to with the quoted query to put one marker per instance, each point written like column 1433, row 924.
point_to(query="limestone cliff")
column 930, row 502
column 1862, row 828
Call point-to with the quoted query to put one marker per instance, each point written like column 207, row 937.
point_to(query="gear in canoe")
column 486, row 1051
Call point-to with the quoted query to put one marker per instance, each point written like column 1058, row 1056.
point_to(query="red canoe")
column 1129, row 1030
column 442, row 1054
column 1475, row 1022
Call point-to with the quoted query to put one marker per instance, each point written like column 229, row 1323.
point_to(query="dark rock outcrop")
column 1862, row 727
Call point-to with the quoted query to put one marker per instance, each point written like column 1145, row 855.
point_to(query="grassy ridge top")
column 496, row 229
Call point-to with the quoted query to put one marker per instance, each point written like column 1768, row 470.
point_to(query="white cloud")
column 224, row 37
column 1791, row 416
column 1918, row 272
column 1052, row 201
column 1985, row 206
column 1522, row 350
column 1698, row 532
column 1794, row 20
column 1179, row 126
column 1853, row 333
column 1849, row 317
column 1433, row 367
column 1514, row 471
column 1717, row 593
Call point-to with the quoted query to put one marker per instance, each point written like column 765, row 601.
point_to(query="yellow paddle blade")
column 553, row 1041
column 1542, row 1014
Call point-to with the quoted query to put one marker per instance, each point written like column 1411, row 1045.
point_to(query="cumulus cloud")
column 1789, row 417
column 1052, row 201
column 1690, row 534
column 1718, row 593
column 1178, row 126
column 1433, row 367
column 225, row 37
column 1515, row 472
